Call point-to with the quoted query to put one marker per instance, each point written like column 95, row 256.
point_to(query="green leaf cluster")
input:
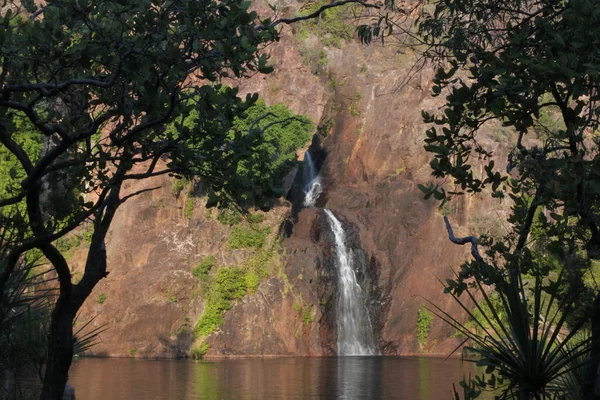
column 424, row 319
column 248, row 237
column 229, row 284
column 332, row 26
column 205, row 266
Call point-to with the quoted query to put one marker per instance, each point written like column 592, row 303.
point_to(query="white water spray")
column 355, row 333
column 313, row 188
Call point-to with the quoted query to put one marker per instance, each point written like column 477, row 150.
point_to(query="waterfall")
column 355, row 333
column 312, row 189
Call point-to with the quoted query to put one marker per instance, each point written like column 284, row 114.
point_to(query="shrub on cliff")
column 424, row 319
column 248, row 237
column 204, row 267
column 229, row 284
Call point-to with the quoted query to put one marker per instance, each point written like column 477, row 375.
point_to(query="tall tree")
column 96, row 93
column 529, row 68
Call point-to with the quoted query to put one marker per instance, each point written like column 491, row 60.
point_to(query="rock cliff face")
column 371, row 160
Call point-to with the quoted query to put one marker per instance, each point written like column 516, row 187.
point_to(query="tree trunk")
column 60, row 350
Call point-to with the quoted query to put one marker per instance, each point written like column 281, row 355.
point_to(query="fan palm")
column 532, row 350
column 25, row 308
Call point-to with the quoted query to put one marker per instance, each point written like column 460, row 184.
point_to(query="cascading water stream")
column 312, row 190
column 355, row 333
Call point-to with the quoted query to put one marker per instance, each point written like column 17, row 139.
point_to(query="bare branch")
column 318, row 12
column 124, row 199
column 148, row 174
column 464, row 240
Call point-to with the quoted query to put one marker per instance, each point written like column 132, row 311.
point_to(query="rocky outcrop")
column 371, row 150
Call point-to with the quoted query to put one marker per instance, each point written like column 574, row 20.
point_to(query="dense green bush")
column 260, row 260
column 255, row 218
column 283, row 133
column 229, row 284
column 204, row 267
column 424, row 319
column 229, row 217
column 246, row 237
column 199, row 350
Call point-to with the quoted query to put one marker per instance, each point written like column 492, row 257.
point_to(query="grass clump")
column 199, row 350
column 229, row 217
column 189, row 208
column 424, row 319
column 259, row 261
column 178, row 186
column 252, row 281
column 255, row 218
column 247, row 237
column 204, row 267
column 101, row 298
column 229, row 284
column 307, row 315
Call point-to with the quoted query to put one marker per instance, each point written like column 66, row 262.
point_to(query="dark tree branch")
column 148, row 174
column 464, row 240
column 125, row 198
column 318, row 12
column 12, row 200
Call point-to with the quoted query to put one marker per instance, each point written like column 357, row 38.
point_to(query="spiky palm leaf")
column 531, row 350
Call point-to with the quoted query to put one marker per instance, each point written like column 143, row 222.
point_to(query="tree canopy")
column 530, row 69
column 94, row 94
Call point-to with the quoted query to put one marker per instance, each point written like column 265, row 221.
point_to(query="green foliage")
column 247, row 237
column 255, row 218
column 314, row 56
column 252, row 281
column 331, row 27
column 229, row 284
column 530, row 70
column 101, row 298
column 178, row 185
column 526, row 352
column 132, row 352
column 259, row 261
column 229, row 217
column 189, row 207
column 173, row 299
column 307, row 313
column 297, row 307
column 203, row 269
column 272, row 135
column 199, row 350
column 91, row 96
column 424, row 319
column 66, row 243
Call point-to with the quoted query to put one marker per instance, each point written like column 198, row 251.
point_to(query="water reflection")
column 359, row 378
column 347, row 378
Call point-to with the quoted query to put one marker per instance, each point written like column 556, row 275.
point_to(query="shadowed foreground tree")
column 87, row 89
column 530, row 71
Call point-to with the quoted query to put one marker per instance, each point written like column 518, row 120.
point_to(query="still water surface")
column 350, row 378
